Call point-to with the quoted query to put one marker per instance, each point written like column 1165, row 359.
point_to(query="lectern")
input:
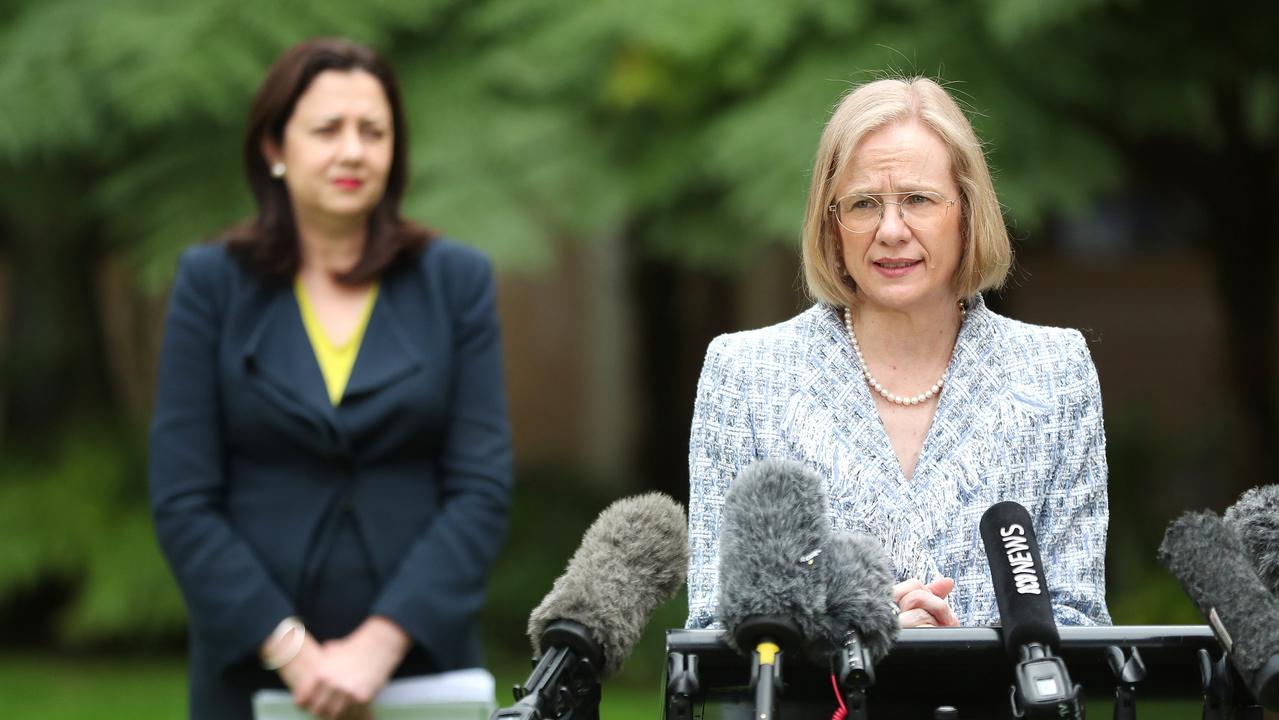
column 933, row 669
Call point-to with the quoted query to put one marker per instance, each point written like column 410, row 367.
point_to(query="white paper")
column 461, row 694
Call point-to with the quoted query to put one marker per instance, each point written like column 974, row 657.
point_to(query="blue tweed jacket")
column 1019, row 419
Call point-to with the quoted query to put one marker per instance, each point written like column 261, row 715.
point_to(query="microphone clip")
column 565, row 682
column 1042, row 687
column 1128, row 671
column 682, row 685
column 854, row 670
column 1216, row 679
column 852, row 664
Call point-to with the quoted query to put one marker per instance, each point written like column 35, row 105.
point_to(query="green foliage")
column 689, row 128
column 540, row 121
column 83, row 519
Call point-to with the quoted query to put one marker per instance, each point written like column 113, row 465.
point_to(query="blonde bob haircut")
column 987, row 253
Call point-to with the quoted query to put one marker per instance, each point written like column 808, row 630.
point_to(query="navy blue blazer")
column 251, row 465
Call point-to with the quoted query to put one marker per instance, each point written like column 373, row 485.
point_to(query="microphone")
column 772, row 593
column 859, row 596
column 633, row 558
column 860, row 624
column 1256, row 518
column 1042, row 687
column 1207, row 557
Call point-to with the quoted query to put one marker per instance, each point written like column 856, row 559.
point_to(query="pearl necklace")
column 876, row 385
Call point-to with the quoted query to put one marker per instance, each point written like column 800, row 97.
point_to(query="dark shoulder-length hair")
column 269, row 241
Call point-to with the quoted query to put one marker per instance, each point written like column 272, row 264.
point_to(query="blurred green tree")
column 684, row 129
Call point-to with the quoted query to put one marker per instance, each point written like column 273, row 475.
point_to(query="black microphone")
column 772, row 593
column 633, row 558
column 1042, row 687
column 1208, row 558
column 1256, row 518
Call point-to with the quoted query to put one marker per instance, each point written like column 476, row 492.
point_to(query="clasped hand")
column 921, row 605
column 336, row 680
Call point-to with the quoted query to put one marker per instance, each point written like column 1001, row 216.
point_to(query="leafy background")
column 656, row 155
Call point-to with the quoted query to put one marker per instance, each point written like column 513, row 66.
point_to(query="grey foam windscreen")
column 775, row 517
column 633, row 558
column 859, row 594
column 1208, row 559
column 1256, row 518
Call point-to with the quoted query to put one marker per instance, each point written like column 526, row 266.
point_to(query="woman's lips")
column 348, row 183
column 896, row 267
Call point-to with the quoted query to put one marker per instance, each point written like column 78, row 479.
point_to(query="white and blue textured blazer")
column 1018, row 419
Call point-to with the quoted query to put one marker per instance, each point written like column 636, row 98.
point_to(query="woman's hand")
column 338, row 680
column 921, row 605
column 365, row 659
column 318, row 686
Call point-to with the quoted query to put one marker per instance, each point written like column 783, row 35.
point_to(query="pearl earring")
column 277, row 170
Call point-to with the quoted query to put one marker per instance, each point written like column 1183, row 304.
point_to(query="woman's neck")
column 329, row 248
column 907, row 339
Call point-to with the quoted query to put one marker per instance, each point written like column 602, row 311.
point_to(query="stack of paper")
column 456, row 695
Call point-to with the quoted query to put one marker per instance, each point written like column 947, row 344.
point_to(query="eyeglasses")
column 861, row 212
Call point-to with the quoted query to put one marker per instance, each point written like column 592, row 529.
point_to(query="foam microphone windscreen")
column 775, row 522
column 1207, row 558
column 1017, row 572
column 859, row 595
column 633, row 558
column 1256, row 518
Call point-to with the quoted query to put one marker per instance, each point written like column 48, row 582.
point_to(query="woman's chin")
column 904, row 299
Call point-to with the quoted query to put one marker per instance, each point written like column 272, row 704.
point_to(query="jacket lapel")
column 281, row 365
column 386, row 353
column 972, row 386
column 835, row 404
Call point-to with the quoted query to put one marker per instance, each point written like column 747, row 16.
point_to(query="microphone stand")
column 565, row 682
column 768, row 635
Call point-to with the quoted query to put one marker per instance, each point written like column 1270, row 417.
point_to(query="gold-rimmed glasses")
column 923, row 210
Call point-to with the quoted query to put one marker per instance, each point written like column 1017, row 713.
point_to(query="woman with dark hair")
column 330, row 452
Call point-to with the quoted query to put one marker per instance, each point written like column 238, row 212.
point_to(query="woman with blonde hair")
column 919, row 406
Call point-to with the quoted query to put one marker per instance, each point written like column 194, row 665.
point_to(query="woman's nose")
column 351, row 147
column 892, row 224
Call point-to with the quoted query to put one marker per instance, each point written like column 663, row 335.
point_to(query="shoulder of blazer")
column 461, row 271
column 780, row 347
column 211, row 270
column 453, row 257
column 1054, row 360
column 209, row 259
column 1023, row 342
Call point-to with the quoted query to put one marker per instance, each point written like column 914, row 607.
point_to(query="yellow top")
column 336, row 361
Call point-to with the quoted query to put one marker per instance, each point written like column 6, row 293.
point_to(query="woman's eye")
column 861, row 204
column 918, row 199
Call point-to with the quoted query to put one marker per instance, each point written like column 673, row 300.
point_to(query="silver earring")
column 277, row 170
